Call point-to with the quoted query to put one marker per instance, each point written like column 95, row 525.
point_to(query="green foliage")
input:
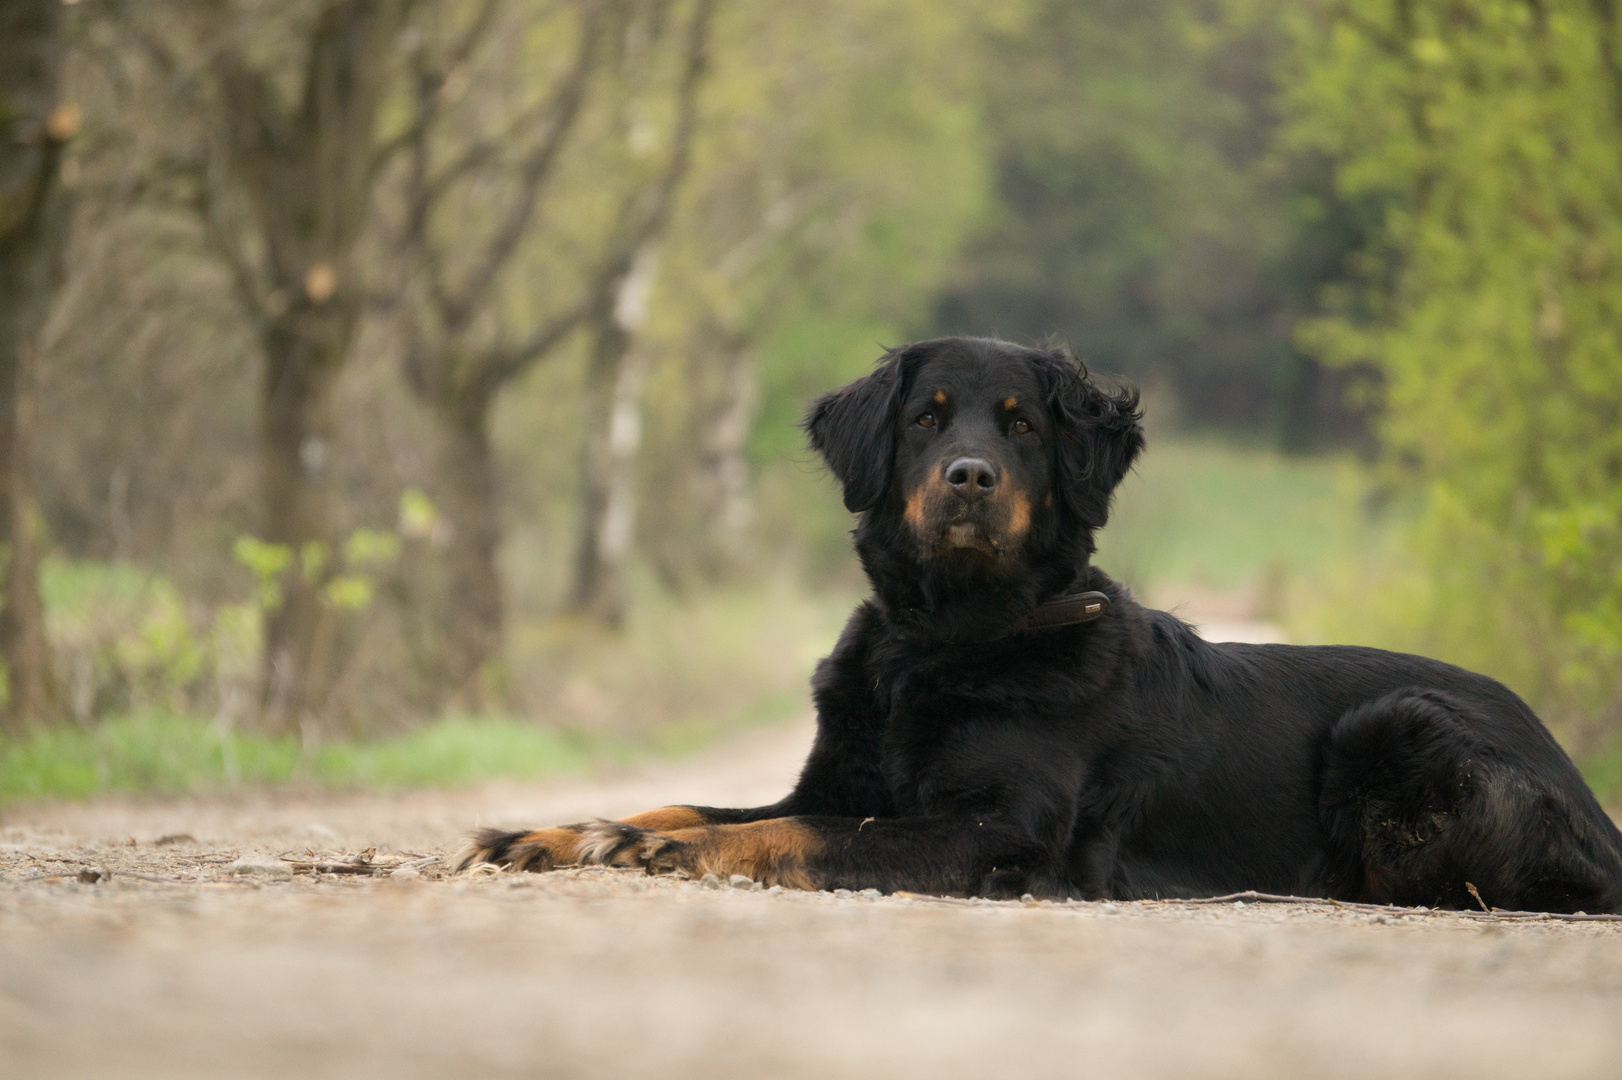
column 1143, row 212
column 419, row 517
column 1223, row 515
column 1604, row 774
column 1438, row 583
column 267, row 562
column 1489, row 131
column 123, row 638
column 703, row 659
column 166, row 753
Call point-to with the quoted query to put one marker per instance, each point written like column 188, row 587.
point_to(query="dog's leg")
column 567, row 845
column 960, row 856
column 1421, row 810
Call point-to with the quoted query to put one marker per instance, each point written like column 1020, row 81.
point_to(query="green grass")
column 158, row 753
column 683, row 662
column 1223, row 515
column 166, row 754
column 1604, row 774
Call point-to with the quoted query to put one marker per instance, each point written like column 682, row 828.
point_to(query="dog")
column 1001, row 718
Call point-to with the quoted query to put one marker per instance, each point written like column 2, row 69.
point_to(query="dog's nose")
column 971, row 477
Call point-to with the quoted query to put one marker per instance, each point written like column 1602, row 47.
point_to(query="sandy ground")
column 191, row 970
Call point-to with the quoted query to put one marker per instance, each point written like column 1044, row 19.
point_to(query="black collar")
column 1066, row 610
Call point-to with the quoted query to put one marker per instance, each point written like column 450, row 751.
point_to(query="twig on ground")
column 1393, row 909
column 363, row 869
column 360, row 863
column 84, row 877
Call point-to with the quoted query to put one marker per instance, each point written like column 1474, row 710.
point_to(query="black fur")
column 1127, row 757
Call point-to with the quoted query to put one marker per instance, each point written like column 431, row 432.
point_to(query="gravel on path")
column 164, row 939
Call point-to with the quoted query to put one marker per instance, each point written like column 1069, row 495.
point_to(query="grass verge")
column 1223, row 515
column 167, row 754
column 1604, row 774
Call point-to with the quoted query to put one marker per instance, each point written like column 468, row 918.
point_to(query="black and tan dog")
column 1001, row 717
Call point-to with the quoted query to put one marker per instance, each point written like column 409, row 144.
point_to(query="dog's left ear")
column 1100, row 436
column 853, row 428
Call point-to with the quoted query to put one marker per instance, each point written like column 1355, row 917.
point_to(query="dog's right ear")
column 853, row 428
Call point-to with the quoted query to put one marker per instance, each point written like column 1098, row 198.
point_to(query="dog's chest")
column 960, row 721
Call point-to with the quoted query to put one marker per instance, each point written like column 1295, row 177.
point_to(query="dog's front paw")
column 531, row 849
column 616, row 843
column 613, row 843
column 661, row 854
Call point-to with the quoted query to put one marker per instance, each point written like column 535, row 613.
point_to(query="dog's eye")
column 927, row 420
column 1022, row 427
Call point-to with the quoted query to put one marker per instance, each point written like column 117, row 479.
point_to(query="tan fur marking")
column 1019, row 517
column 940, row 397
column 1010, row 403
column 915, row 510
column 545, row 849
column 774, row 852
column 666, row 818
column 1047, row 500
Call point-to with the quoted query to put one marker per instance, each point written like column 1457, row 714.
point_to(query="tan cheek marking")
column 1010, row 403
column 666, row 818
column 773, row 851
column 1019, row 519
column 915, row 510
column 940, row 397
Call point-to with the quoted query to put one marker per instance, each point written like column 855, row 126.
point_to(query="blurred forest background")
column 395, row 391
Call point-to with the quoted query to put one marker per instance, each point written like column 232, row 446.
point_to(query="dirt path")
column 610, row 974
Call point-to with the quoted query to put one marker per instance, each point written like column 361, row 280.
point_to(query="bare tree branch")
column 697, row 59
column 536, row 169
column 244, row 282
column 455, row 57
column 642, row 216
column 498, row 366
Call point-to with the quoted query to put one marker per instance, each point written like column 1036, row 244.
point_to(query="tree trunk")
column 304, row 350
column 33, row 127
column 723, row 475
column 308, row 177
column 613, row 422
column 469, row 501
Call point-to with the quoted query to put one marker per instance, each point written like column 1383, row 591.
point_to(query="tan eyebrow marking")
column 940, row 397
column 1010, row 403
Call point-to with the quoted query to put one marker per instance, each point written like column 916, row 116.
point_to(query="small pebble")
column 843, row 894
column 870, row 894
column 1108, row 909
column 253, row 866
column 406, row 873
column 1028, row 900
column 775, row 889
column 709, row 881
column 741, row 881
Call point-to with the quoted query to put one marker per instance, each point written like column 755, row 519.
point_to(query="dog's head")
column 975, row 458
